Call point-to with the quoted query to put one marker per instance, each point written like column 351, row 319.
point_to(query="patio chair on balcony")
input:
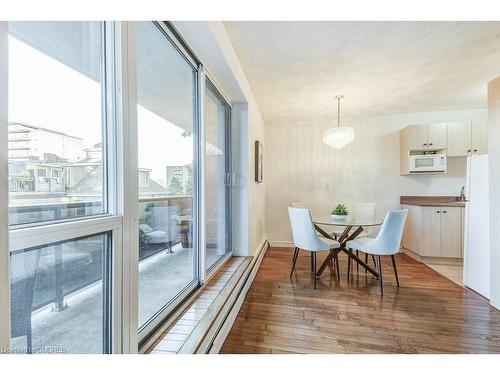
column 22, row 290
column 164, row 228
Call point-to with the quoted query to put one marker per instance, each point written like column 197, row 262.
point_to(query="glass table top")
column 348, row 221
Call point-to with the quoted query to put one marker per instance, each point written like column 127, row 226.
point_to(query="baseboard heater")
column 215, row 337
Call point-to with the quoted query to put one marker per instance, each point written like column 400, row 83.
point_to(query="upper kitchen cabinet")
column 436, row 136
column 479, row 138
column 417, row 137
column 420, row 139
column 466, row 138
column 427, row 137
column 459, row 139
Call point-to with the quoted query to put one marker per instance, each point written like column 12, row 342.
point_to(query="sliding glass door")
column 75, row 282
column 217, row 176
column 166, row 90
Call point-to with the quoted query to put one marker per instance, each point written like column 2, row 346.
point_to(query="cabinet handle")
column 425, row 144
column 469, row 150
column 438, row 212
column 475, row 150
column 444, row 212
column 430, row 144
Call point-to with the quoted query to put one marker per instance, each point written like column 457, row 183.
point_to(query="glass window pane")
column 166, row 94
column 55, row 120
column 216, row 168
column 57, row 297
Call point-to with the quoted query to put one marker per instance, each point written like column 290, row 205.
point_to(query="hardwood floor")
column 428, row 313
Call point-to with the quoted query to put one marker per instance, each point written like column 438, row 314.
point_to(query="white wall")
column 300, row 167
column 494, row 167
column 210, row 42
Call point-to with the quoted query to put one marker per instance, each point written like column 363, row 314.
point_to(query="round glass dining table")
column 347, row 234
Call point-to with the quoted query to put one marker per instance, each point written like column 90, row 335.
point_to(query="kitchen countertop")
column 432, row 201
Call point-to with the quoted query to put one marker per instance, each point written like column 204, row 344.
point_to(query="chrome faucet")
column 462, row 194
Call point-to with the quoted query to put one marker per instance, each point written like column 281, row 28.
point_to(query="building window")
column 41, row 173
column 54, row 120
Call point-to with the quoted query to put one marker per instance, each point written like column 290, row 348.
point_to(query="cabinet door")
column 418, row 137
column 406, row 241
column 451, row 232
column 404, row 150
column 480, row 138
column 431, row 231
column 459, row 139
column 436, row 136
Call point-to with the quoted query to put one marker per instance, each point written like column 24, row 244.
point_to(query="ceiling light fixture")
column 340, row 136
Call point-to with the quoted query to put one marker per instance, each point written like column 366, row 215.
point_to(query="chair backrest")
column 364, row 210
column 299, row 205
column 388, row 239
column 304, row 234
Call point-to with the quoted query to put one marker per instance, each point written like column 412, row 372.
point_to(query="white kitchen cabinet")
column 459, row 139
column 417, row 136
column 467, row 138
column 427, row 137
column 451, row 232
column 430, row 230
column 420, row 138
column 411, row 240
column 479, row 144
column 436, row 136
column 434, row 232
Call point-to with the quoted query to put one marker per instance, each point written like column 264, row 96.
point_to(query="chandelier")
column 340, row 136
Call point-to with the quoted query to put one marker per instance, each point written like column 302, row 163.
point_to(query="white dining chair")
column 387, row 242
column 303, row 205
column 299, row 205
column 306, row 238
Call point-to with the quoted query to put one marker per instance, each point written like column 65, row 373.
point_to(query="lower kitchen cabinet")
column 434, row 232
column 451, row 232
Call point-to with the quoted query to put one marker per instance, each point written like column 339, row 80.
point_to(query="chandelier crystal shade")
column 340, row 136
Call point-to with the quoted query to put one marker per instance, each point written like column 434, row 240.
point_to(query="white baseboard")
column 281, row 243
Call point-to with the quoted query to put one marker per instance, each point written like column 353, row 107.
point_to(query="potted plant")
column 339, row 212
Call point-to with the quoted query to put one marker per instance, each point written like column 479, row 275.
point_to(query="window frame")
column 212, row 85
column 23, row 236
column 106, row 67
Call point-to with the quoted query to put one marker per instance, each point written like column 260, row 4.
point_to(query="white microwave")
column 428, row 163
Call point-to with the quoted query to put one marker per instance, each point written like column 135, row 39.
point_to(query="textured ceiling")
column 296, row 68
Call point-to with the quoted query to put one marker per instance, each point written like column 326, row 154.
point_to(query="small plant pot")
column 338, row 217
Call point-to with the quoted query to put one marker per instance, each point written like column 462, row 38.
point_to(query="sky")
column 46, row 93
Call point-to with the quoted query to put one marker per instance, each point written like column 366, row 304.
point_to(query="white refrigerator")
column 477, row 226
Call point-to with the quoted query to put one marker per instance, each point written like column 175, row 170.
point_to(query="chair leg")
column 380, row 276
column 395, row 269
column 357, row 264
column 349, row 265
column 337, row 265
column 313, row 258
column 374, row 262
column 366, row 261
column 312, row 261
column 295, row 256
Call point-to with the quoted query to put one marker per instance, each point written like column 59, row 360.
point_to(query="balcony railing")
column 54, row 284
column 21, row 184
